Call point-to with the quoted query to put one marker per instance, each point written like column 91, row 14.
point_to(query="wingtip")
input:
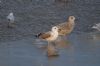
column 37, row 35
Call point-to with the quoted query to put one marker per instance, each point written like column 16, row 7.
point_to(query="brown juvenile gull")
column 11, row 20
column 66, row 27
column 50, row 37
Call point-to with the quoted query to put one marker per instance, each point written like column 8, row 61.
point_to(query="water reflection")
column 40, row 44
column 96, row 36
column 53, row 48
column 62, row 42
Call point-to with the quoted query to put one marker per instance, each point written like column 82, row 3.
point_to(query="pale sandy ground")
column 19, row 47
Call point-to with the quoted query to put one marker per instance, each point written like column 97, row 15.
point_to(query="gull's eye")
column 71, row 17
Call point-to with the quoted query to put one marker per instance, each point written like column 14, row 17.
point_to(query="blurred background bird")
column 97, row 26
column 11, row 20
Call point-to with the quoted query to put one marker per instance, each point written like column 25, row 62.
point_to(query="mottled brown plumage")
column 49, row 36
column 44, row 35
column 66, row 27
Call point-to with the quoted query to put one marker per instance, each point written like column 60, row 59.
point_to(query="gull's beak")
column 76, row 20
column 52, row 25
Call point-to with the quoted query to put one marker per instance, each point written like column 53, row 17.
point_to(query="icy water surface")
column 76, row 50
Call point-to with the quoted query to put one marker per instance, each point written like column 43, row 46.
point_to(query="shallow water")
column 18, row 47
column 76, row 50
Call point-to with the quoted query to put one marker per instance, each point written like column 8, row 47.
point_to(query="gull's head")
column 11, row 14
column 71, row 18
column 54, row 28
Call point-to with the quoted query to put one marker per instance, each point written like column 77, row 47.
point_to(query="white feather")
column 11, row 17
column 97, row 26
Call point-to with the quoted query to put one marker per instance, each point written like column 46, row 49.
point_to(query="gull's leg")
column 11, row 24
column 64, row 37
